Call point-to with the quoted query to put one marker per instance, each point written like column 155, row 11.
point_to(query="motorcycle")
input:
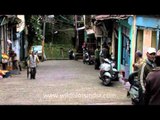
column 71, row 54
column 108, row 71
column 87, row 58
column 134, row 88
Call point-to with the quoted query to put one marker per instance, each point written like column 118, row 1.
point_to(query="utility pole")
column 45, row 19
column 43, row 39
column 76, row 28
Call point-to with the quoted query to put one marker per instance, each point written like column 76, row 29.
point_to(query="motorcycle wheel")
column 106, row 81
column 88, row 63
column 115, row 77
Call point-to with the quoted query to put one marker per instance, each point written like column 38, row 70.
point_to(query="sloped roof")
column 106, row 17
column 10, row 16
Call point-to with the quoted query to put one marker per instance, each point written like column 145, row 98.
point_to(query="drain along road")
column 61, row 82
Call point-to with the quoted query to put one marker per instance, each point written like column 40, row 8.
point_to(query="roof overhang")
column 107, row 17
column 10, row 16
column 4, row 19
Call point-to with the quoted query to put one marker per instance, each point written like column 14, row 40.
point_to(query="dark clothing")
column 146, row 68
column 4, row 66
column 97, row 58
column 152, row 93
column 33, row 72
column 97, row 63
column 132, row 77
column 96, row 53
column 15, row 65
column 7, row 75
column 105, row 53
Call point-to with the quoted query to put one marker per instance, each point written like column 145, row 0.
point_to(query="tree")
column 64, row 24
column 34, row 25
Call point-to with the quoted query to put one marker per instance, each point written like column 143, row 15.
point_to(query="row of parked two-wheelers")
column 107, row 72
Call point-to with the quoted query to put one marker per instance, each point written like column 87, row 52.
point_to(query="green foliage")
column 34, row 29
column 64, row 25
column 63, row 37
column 54, row 51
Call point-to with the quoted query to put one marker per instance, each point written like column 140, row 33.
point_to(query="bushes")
column 57, row 51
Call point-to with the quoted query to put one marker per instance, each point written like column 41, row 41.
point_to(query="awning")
column 90, row 31
column 106, row 17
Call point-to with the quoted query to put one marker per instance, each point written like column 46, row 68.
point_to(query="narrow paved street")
column 61, row 82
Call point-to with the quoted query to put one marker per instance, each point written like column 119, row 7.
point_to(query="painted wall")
column 126, row 42
column 143, row 30
column 139, row 45
column 20, row 28
column 16, row 46
column 145, row 21
column 153, row 39
column 147, row 35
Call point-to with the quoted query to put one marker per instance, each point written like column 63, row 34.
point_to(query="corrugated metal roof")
column 106, row 17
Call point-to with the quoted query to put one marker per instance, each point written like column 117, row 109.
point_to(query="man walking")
column 33, row 60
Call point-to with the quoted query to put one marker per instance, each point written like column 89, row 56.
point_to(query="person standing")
column 104, row 53
column 15, row 62
column 152, row 93
column 146, row 67
column 139, row 60
column 136, row 66
column 33, row 60
column 97, row 58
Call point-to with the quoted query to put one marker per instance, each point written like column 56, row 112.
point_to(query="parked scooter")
column 108, row 72
column 87, row 59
